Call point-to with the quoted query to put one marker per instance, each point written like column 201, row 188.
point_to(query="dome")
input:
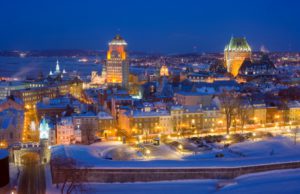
column 118, row 40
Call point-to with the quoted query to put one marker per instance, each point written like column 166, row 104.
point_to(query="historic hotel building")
column 235, row 53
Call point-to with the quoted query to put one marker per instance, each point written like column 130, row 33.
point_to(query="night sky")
column 167, row 26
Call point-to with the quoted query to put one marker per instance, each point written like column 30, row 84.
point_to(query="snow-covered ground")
column 272, row 150
column 268, row 148
column 275, row 182
column 14, row 174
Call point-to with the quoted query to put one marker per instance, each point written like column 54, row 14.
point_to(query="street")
column 32, row 179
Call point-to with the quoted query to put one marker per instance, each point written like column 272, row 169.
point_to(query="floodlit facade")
column 294, row 112
column 117, row 65
column 235, row 53
column 164, row 71
column 66, row 133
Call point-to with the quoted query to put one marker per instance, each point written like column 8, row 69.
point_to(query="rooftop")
column 118, row 40
column 238, row 44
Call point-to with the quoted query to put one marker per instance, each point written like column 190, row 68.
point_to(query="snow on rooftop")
column 104, row 115
column 9, row 117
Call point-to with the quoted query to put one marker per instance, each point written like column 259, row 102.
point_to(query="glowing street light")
column 148, row 152
column 180, row 146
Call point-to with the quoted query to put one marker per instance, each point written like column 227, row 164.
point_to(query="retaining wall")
column 107, row 175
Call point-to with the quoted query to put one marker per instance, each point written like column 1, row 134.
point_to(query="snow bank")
column 274, row 150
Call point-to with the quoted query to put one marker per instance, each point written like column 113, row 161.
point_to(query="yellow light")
column 180, row 146
column 148, row 151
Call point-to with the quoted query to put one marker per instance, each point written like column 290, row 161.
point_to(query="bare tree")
column 243, row 111
column 72, row 176
column 228, row 100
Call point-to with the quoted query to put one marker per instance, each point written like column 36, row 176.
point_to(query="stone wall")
column 106, row 175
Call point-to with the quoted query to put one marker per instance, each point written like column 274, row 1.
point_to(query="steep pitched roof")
column 238, row 44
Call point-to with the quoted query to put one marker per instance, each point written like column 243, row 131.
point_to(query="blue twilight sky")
column 168, row 26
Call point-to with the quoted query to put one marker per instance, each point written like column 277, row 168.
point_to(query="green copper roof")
column 238, row 44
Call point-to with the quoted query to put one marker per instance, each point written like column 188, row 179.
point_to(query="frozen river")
column 30, row 66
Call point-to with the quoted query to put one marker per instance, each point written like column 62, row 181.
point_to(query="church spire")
column 57, row 69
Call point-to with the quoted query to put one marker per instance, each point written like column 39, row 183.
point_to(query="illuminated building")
column 11, row 125
column 294, row 112
column 33, row 95
column 117, row 65
column 235, row 53
column 66, row 133
column 164, row 71
column 211, row 117
column 87, row 123
column 259, row 112
column 7, row 87
column 262, row 68
column 54, row 107
column 143, row 122
column 106, row 125
column 187, row 118
column 97, row 79
column 194, row 98
column 148, row 121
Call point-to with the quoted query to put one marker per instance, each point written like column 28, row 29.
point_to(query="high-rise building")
column 117, row 65
column 235, row 53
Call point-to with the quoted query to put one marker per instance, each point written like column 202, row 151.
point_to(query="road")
column 32, row 179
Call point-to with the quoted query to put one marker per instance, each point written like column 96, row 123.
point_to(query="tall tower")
column 117, row 65
column 235, row 53
column 57, row 68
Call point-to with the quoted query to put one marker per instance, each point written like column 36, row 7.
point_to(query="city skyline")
column 158, row 27
column 149, row 97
